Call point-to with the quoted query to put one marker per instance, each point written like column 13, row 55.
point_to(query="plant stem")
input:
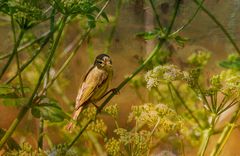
column 40, row 133
column 17, row 58
column 205, row 139
column 190, row 20
column 156, row 15
column 124, row 82
column 207, row 133
column 226, row 133
column 185, row 105
column 29, row 44
column 31, row 59
column 20, row 37
column 219, row 25
column 114, row 25
column 25, row 108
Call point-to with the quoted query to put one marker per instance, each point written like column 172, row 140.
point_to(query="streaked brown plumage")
column 94, row 86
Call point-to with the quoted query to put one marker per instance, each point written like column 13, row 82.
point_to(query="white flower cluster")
column 162, row 73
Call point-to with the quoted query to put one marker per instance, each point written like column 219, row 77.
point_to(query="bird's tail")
column 72, row 124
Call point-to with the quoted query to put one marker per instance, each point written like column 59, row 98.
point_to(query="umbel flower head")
column 163, row 73
column 156, row 115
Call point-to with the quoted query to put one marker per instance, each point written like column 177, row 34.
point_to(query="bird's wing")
column 93, row 80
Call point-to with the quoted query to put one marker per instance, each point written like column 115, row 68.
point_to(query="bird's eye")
column 99, row 61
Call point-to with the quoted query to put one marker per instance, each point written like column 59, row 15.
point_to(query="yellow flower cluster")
column 112, row 110
column 112, row 147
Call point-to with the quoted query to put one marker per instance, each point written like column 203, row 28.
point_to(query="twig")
column 14, row 51
column 17, row 58
column 190, row 20
column 156, row 15
column 219, row 25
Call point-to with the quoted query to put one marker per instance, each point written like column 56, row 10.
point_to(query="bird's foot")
column 115, row 91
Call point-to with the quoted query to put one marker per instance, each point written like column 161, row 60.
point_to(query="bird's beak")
column 107, row 62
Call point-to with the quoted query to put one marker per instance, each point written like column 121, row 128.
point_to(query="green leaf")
column 148, row 35
column 49, row 111
column 231, row 64
column 14, row 101
column 6, row 89
column 181, row 40
column 155, row 34
column 91, row 21
column 104, row 15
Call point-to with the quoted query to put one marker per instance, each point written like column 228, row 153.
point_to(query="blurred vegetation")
column 183, row 107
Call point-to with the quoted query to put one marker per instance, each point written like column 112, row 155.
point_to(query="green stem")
column 156, row 14
column 29, row 44
column 207, row 133
column 185, row 105
column 219, row 25
column 20, row 37
column 25, row 109
column 36, row 53
column 114, row 25
column 190, row 20
column 40, row 133
column 205, row 139
column 124, row 82
column 226, row 133
column 17, row 58
column 172, row 98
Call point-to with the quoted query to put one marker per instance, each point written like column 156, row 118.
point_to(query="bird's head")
column 103, row 61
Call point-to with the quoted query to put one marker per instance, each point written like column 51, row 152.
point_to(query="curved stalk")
column 25, row 109
column 185, row 106
column 219, row 25
column 226, row 133
column 190, row 20
column 14, row 51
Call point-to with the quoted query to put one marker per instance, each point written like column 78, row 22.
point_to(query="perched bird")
column 94, row 86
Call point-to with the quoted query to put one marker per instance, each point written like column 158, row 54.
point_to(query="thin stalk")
column 41, row 122
column 172, row 98
column 207, row 133
column 17, row 57
column 25, row 108
column 40, row 133
column 219, row 25
column 36, row 53
column 185, row 105
column 226, row 133
column 124, row 82
column 223, row 103
column 204, row 98
column 156, row 15
column 26, row 45
column 14, row 51
column 190, row 20
column 114, row 25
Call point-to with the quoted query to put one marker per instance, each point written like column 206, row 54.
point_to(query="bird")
column 94, row 86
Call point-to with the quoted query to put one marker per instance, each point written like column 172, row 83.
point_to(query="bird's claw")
column 115, row 91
